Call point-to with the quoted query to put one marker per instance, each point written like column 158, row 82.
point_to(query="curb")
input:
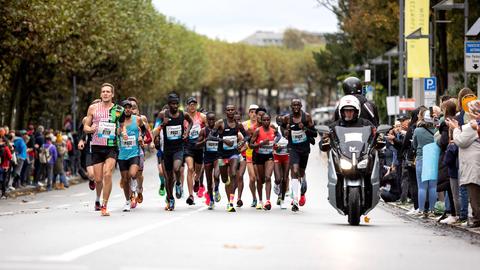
column 401, row 210
column 31, row 190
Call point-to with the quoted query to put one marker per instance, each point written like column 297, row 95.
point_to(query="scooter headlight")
column 363, row 164
column 345, row 164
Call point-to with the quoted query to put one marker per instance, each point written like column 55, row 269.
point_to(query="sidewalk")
column 30, row 190
column 402, row 209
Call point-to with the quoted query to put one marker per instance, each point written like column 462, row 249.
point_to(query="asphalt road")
column 60, row 230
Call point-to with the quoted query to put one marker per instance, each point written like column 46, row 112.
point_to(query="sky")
column 234, row 20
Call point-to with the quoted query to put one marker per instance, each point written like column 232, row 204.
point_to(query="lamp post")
column 449, row 5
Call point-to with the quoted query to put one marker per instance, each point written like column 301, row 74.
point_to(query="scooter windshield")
column 353, row 139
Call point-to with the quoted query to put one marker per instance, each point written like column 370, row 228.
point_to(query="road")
column 60, row 230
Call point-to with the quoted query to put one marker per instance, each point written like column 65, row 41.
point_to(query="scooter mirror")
column 323, row 129
column 383, row 128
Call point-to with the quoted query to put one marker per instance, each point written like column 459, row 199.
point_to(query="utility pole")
column 74, row 103
column 401, row 49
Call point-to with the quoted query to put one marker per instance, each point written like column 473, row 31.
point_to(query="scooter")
column 353, row 169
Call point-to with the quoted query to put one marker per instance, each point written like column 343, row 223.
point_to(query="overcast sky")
column 233, row 20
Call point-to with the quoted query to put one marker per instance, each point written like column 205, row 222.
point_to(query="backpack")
column 44, row 155
column 69, row 146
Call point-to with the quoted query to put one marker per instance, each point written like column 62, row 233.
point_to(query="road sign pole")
column 478, row 85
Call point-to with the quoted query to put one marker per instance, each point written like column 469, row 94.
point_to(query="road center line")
column 90, row 248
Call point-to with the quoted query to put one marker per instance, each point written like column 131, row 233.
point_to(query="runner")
column 147, row 139
column 158, row 144
column 300, row 130
column 174, row 135
column 131, row 143
column 281, row 165
column 103, row 121
column 193, row 154
column 250, row 126
column 228, row 129
column 210, row 159
column 262, row 141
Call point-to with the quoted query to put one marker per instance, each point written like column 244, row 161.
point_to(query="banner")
column 418, row 51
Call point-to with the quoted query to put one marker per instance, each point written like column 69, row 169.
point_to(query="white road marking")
column 16, row 265
column 63, row 206
column 6, row 214
column 117, row 196
column 90, row 248
column 58, row 196
column 80, row 194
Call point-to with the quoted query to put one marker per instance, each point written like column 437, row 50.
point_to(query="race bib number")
column 130, row 142
column 298, row 136
column 230, row 138
column 106, row 130
column 266, row 149
column 194, row 132
column 212, row 146
column 174, row 132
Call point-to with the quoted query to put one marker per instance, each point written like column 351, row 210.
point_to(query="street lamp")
column 449, row 5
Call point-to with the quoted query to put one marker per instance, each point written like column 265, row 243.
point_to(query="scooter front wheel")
column 354, row 207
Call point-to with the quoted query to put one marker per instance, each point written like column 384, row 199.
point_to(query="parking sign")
column 430, row 84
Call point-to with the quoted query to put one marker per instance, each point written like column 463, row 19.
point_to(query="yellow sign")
column 418, row 52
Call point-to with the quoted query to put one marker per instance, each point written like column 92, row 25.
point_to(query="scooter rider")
column 368, row 110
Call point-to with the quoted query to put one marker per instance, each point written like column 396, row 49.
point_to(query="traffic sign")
column 406, row 104
column 472, row 56
column 430, row 84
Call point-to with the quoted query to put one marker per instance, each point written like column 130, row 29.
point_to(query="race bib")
column 266, row 149
column 174, row 132
column 298, row 136
column 106, row 130
column 211, row 146
column 194, row 132
column 130, row 142
column 230, row 138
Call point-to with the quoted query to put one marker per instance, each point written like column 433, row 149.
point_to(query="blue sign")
column 472, row 47
column 430, row 84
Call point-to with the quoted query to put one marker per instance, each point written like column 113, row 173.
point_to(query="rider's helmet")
column 349, row 102
column 352, row 86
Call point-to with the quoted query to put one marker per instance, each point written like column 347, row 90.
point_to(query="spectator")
column 408, row 151
column 422, row 136
column 21, row 154
column 48, row 156
column 59, row 169
column 466, row 138
column 5, row 158
column 40, row 169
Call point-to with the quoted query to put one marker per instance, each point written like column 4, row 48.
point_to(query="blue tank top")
column 129, row 148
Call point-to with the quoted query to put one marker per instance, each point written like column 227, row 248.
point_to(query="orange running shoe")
column 104, row 211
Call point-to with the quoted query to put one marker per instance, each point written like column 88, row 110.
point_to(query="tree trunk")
column 442, row 61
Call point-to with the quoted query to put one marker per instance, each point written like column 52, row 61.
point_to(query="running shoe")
column 295, row 207
column 170, row 205
column 104, row 212
column 217, row 196
column 259, row 206
column 267, row 205
column 196, row 186
column 279, row 201
column 133, row 202
column 283, row 205
column 161, row 190
column 207, row 199
column 98, row 207
column 211, row 205
column 276, row 189
column 230, row 208
column 91, row 184
column 239, row 203
column 139, row 197
column 178, row 190
column 302, row 200
column 201, row 191
column 254, row 203
column 190, row 200
column 126, row 207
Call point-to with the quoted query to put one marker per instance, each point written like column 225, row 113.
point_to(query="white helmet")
column 346, row 102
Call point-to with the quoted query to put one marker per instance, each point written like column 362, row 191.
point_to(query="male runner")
column 250, row 126
column 103, row 121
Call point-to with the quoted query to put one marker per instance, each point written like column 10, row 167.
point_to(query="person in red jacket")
column 5, row 159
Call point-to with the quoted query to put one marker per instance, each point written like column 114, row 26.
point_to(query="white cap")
column 253, row 107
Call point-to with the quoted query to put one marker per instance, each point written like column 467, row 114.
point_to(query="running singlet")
column 211, row 147
column 129, row 148
column 297, row 139
column 265, row 135
column 107, row 122
column 196, row 127
column 230, row 134
column 249, row 152
column 173, row 133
